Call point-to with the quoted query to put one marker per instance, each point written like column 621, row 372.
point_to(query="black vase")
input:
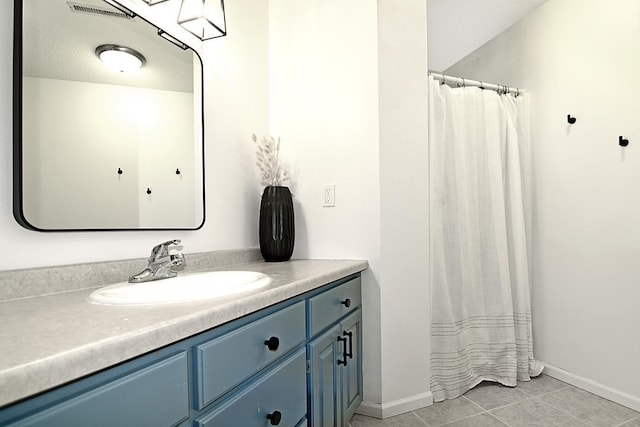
column 277, row 231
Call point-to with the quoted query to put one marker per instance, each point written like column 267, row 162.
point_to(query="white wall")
column 404, row 200
column 80, row 134
column 324, row 106
column 346, row 100
column 236, row 94
column 581, row 57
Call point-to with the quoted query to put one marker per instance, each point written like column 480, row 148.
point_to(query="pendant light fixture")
column 203, row 18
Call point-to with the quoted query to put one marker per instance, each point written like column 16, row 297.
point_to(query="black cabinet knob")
column 346, row 303
column 275, row 417
column 272, row 343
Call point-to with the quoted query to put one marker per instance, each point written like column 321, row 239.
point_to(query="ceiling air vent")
column 97, row 10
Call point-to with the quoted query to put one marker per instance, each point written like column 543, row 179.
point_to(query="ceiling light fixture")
column 171, row 39
column 203, row 18
column 120, row 58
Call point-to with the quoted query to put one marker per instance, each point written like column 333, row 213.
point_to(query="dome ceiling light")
column 120, row 58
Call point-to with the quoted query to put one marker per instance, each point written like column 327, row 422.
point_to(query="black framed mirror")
column 98, row 148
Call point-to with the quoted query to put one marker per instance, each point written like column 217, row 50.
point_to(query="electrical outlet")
column 328, row 195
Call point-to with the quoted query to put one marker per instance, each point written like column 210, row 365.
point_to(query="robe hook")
column 623, row 142
column 148, row 190
column 119, row 171
column 571, row 120
column 178, row 171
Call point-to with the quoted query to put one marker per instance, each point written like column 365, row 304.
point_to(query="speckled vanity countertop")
column 46, row 341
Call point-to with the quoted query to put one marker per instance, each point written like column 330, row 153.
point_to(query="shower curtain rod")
column 461, row 82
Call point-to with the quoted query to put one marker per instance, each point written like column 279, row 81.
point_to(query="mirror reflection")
column 104, row 146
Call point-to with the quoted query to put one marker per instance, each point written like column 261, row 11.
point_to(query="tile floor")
column 543, row 401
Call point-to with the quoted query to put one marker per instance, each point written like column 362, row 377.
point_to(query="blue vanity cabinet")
column 324, row 379
column 296, row 363
column 224, row 362
column 351, row 373
column 276, row 398
column 154, row 395
column 335, row 355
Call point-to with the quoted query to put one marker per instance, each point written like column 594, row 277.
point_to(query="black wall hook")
column 119, row 171
column 623, row 142
column 177, row 171
column 148, row 190
column 571, row 120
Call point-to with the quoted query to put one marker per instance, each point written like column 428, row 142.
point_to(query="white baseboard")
column 397, row 407
column 591, row 386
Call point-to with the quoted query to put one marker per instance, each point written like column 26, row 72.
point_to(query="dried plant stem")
column 268, row 161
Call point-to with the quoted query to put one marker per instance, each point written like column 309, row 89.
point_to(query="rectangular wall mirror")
column 98, row 148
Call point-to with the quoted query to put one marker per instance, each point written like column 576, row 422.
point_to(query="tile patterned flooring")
column 541, row 402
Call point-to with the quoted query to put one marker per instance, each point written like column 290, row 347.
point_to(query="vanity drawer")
column 283, row 389
column 154, row 396
column 327, row 307
column 224, row 362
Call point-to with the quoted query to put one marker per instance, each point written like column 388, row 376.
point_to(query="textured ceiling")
column 456, row 28
column 60, row 44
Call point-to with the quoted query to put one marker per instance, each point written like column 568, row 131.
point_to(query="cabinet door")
column 324, row 378
column 224, row 362
column 154, row 396
column 351, row 373
column 276, row 398
column 328, row 307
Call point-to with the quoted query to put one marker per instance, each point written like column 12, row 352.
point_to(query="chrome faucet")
column 161, row 264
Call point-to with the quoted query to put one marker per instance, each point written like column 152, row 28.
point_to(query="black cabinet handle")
column 346, row 303
column 350, row 353
column 272, row 343
column 344, row 351
column 275, row 417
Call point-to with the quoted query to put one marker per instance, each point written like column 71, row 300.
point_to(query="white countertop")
column 46, row 341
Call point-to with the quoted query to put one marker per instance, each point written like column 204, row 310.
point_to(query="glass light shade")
column 203, row 18
column 120, row 58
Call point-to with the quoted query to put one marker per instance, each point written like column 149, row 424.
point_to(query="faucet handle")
column 162, row 250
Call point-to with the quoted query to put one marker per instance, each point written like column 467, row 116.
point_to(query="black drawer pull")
column 272, row 343
column 346, row 303
column 344, row 351
column 350, row 353
column 275, row 417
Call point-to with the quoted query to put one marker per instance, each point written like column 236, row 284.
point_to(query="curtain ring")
column 443, row 78
column 464, row 83
column 458, row 84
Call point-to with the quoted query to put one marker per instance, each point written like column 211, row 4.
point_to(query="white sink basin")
column 188, row 287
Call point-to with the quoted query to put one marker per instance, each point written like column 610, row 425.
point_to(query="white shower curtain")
column 480, row 223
